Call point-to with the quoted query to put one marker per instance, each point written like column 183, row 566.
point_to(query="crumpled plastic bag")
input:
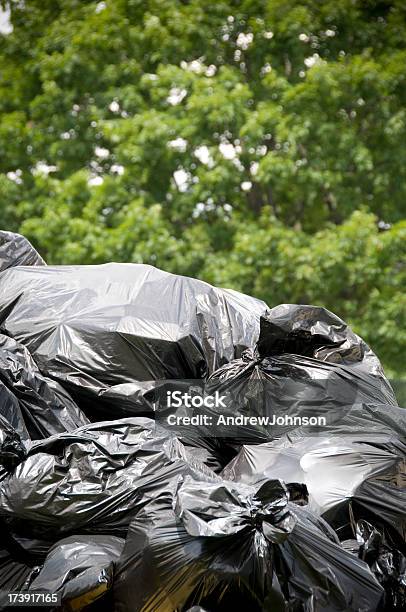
column 109, row 332
column 12, row 449
column 313, row 331
column 349, row 475
column 93, row 479
column 80, row 568
column 385, row 560
column 229, row 546
column 40, row 407
column 112, row 336
column 336, row 370
column 14, row 576
column 10, row 412
column 16, row 250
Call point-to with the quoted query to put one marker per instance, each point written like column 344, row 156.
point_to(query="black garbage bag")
column 349, row 476
column 226, row 546
column 44, row 407
column 15, row 250
column 386, row 562
column 92, row 480
column 15, row 576
column 11, row 412
column 265, row 394
column 12, row 449
column 200, row 454
column 80, row 569
column 313, row 331
column 109, row 332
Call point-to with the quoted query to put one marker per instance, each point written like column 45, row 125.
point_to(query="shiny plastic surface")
column 228, row 546
column 93, row 479
column 16, row 250
column 347, row 477
column 331, row 371
column 40, row 407
column 108, row 332
column 80, row 568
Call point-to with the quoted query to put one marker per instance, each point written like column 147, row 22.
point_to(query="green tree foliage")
column 257, row 144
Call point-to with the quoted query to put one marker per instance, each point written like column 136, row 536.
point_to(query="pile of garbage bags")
column 286, row 494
